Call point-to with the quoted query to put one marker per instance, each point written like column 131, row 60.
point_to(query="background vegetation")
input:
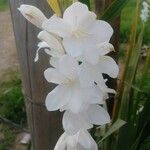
column 3, row 5
column 126, row 18
column 12, row 108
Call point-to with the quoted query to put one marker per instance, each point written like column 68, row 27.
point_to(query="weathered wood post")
column 45, row 127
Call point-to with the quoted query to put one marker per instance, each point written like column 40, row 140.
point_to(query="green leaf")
column 117, row 125
column 127, row 134
column 87, row 2
column 114, row 9
column 130, row 48
column 54, row 4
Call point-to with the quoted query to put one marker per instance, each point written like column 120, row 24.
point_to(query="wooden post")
column 45, row 127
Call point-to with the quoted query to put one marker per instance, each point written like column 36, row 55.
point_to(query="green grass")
column 11, row 107
column 7, row 137
column 11, row 99
column 126, row 19
column 3, row 5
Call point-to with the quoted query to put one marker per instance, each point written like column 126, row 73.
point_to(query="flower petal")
column 62, row 142
column 68, row 66
column 102, row 31
column 33, row 14
column 57, row 26
column 53, row 76
column 54, row 61
column 108, row 66
column 105, row 48
column 93, row 95
column 74, row 14
column 86, row 141
column 52, row 41
column 73, row 123
column 73, row 46
column 57, row 98
column 76, row 103
column 97, row 115
column 89, row 74
column 86, row 79
column 41, row 45
column 92, row 56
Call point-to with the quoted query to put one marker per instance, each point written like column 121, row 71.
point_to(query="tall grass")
column 132, row 101
column 126, row 19
column 3, row 5
column 11, row 99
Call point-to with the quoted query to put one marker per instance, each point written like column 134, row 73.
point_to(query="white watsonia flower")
column 69, row 95
column 145, row 12
column 93, row 73
column 51, row 44
column 93, row 114
column 54, row 43
column 95, row 52
column 33, row 14
column 79, row 29
column 78, row 44
column 80, row 141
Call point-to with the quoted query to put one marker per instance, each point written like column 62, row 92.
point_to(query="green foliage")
column 114, row 10
column 7, row 137
column 132, row 102
column 64, row 4
column 3, row 5
column 11, row 99
column 146, row 144
column 113, row 128
column 126, row 17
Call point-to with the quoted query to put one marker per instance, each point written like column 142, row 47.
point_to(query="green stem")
column 130, row 47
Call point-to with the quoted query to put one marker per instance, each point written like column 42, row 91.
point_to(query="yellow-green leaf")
column 117, row 125
column 54, row 4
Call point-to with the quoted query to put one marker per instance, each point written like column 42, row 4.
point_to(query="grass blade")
column 117, row 125
column 114, row 9
column 131, row 43
column 126, row 133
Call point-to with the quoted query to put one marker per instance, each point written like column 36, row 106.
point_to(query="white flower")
column 79, row 29
column 81, row 141
column 93, row 114
column 53, row 42
column 78, row 44
column 95, row 52
column 33, row 14
column 69, row 94
column 145, row 12
column 93, row 73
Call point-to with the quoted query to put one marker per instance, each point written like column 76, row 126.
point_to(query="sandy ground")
column 8, row 55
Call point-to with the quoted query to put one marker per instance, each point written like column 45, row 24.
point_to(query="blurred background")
column 12, row 109
column 13, row 122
